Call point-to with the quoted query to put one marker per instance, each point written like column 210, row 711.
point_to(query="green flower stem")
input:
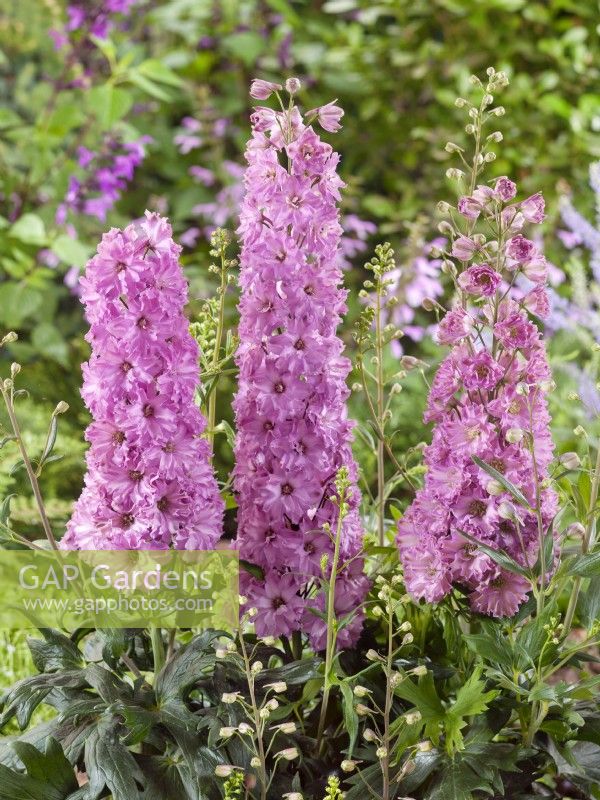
column 7, row 397
column 331, row 620
column 258, row 723
column 586, row 545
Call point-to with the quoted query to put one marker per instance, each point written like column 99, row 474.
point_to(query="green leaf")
column 457, row 781
column 51, row 768
column 510, row 487
column 501, row 557
column 109, row 764
column 49, row 341
column 149, row 86
column 186, row 667
column 350, row 715
column 54, row 652
column 71, row 251
column 587, row 565
column 29, row 229
column 5, row 509
column 17, row 302
column 247, row 46
column 158, row 71
column 471, row 699
column 589, row 603
column 491, row 645
column 423, row 695
column 110, row 104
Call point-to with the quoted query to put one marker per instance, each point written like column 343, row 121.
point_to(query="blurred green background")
column 396, row 68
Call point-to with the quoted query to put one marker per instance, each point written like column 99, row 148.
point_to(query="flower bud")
column 361, row 691
column 369, row 735
column 230, row 697
column 506, row 510
column 570, row 460
column 226, row 733
column 381, row 752
column 11, row 336
column 412, row 717
column 286, row 727
column 347, row 765
column 362, row 710
column 420, row 670
column 514, row 435
column 245, row 729
column 255, row 762
column 494, row 487
column 293, row 85
column 289, row 754
column 14, row 369
column 224, row 770
column 256, row 667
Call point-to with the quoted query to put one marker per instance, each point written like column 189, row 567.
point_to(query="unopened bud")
column 570, row 460
column 494, row 488
column 514, row 435
column 293, row 85
column 11, row 336
column 347, row 765
column 506, row 510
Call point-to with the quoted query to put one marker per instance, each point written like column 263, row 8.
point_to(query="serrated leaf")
column 586, row 565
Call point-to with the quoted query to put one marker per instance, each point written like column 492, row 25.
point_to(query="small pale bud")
column 256, row 667
column 255, row 762
column 443, row 207
column 506, row 510
column 570, row 460
column 15, row 369
column 362, row 710
column 245, row 729
column 286, row 727
column 420, row 670
column 406, row 627
column 289, row 754
column 514, row 435
column 361, row 691
column 547, row 386
column 369, row 735
column 408, row 639
column 381, row 752
column 224, row 770
column 226, row 733
column 11, row 336
column 373, row 655
column 424, row 747
column 278, row 687
column 412, row 717
column 499, row 111
column 494, row 487
column 293, row 85
column 347, row 765
column 229, row 698
column 579, row 431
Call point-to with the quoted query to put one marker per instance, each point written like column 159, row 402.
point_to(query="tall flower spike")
column 149, row 483
column 487, row 400
column 293, row 430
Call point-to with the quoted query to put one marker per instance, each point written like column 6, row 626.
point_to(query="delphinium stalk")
column 33, row 469
column 487, row 479
column 257, row 732
column 385, row 729
column 294, row 434
column 372, row 336
column 149, row 483
column 217, row 346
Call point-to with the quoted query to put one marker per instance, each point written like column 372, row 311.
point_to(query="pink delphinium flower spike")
column 293, row 429
column 487, row 400
column 149, row 483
